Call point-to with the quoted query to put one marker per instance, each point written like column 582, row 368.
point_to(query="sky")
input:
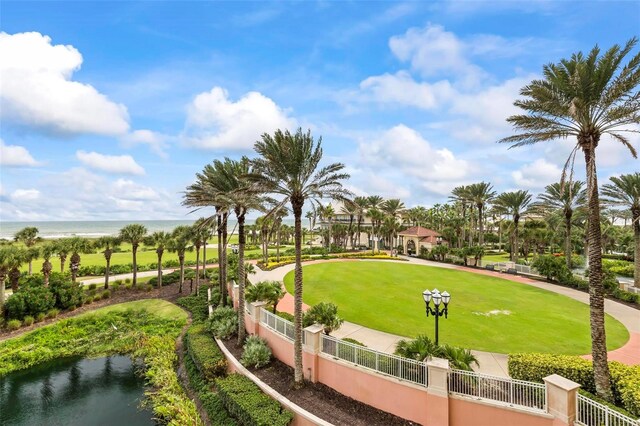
column 109, row 109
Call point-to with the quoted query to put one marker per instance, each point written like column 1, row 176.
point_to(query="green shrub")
column 30, row 299
column 286, row 315
column 210, row 400
column 552, row 267
column 128, row 286
column 256, row 352
column 66, row 292
column 13, row 324
column 244, row 400
column 127, row 280
column 354, row 341
column 92, row 286
column 117, row 283
column 72, row 308
column 223, row 322
column 40, row 317
column 28, row 320
column 115, row 286
column 625, row 379
column 88, row 300
column 53, row 313
column 197, row 305
column 105, row 295
column 15, row 306
column 205, row 353
column 326, row 314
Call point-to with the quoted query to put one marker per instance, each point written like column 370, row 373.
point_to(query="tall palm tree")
column 289, row 166
column 393, row 208
column 197, row 237
column 29, row 237
column 109, row 244
column 62, row 248
column 564, row 198
column 327, row 213
column 77, row 246
column 481, row 194
column 515, row 203
column 311, row 215
column 349, row 208
column 624, row 191
column 374, row 201
column 161, row 241
column 585, row 97
column 11, row 258
column 134, row 234
column 376, row 217
column 47, row 251
column 362, row 204
column 460, row 194
column 180, row 244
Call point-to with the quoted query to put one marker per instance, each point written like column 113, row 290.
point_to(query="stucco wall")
column 463, row 412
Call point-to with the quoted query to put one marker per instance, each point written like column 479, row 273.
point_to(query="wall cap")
column 314, row 328
column 561, row 382
column 438, row 363
column 258, row 304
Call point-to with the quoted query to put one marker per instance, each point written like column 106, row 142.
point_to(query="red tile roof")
column 419, row 231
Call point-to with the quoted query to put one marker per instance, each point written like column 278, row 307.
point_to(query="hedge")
column 287, row 260
column 625, row 379
column 244, row 400
column 205, row 353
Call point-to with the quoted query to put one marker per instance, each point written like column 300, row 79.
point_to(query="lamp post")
column 437, row 299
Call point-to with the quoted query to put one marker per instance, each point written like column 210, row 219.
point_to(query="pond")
column 103, row 391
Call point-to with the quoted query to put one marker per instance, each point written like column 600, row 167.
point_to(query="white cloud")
column 401, row 88
column 117, row 164
column 38, row 89
column 155, row 141
column 25, row 195
column 536, row 175
column 432, row 51
column 15, row 155
column 216, row 122
column 131, row 191
column 403, row 148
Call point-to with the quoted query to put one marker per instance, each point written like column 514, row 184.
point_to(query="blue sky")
column 110, row 108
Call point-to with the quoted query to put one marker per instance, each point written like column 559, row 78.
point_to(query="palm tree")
column 515, row 203
column 376, row 217
column 288, row 166
column 460, row 194
column 11, row 258
column 349, row 208
column 109, row 244
column 197, row 237
column 394, row 208
column 29, row 237
column 77, row 246
column 265, row 291
column 564, row 198
column 361, row 203
column 161, row 240
column 481, row 194
column 585, row 97
column 179, row 244
column 624, row 191
column 62, row 248
column 134, row 234
column 327, row 213
column 47, row 251
column 311, row 215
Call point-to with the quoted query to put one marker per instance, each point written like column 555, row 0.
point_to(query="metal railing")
column 248, row 308
column 279, row 325
column 387, row 364
column 517, row 393
column 592, row 413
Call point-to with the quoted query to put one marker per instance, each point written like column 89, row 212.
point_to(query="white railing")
column 592, row 413
column 279, row 325
column 249, row 308
column 517, row 393
column 387, row 364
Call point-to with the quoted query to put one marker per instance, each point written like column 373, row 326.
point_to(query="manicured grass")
column 160, row 308
column 388, row 297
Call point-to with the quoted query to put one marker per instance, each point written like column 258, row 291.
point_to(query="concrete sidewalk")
column 490, row 362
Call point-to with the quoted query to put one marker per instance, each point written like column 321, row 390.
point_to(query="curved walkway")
column 490, row 362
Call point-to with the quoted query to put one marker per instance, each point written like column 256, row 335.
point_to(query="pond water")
column 103, row 391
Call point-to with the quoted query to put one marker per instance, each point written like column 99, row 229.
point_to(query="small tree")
column 325, row 314
column 266, row 291
column 29, row 237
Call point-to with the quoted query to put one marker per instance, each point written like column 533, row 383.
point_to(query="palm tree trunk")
column 278, row 244
column 241, row 279
column 635, row 217
column 481, row 236
column 197, row 268
column 63, row 259
column 135, row 265
column 297, row 294
column 30, row 267
column 601, row 372
column 2, row 290
column 107, row 271
column 567, row 241
column 223, row 264
column 181, row 258
column 514, row 246
column 159, row 252
column 220, row 259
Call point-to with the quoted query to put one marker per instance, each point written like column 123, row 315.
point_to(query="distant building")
column 416, row 237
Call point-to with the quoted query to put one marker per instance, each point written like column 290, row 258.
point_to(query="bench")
column 490, row 267
column 512, row 271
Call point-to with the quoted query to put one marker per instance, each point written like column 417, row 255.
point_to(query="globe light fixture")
column 438, row 299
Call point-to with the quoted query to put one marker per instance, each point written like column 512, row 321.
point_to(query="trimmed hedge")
column 205, row 353
column 244, row 400
column 625, row 379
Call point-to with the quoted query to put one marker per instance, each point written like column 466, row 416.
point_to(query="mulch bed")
column 319, row 399
column 169, row 292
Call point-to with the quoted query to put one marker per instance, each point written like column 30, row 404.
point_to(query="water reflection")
column 102, row 391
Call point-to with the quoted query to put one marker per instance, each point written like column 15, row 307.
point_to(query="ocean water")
column 98, row 228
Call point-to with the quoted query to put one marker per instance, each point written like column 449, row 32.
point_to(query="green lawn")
column 158, row 307
column 388, row 297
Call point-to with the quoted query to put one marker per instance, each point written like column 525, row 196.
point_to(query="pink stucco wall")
column 469, row 413
column 407, row 401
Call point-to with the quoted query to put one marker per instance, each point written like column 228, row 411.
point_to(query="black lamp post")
column 438, row 299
